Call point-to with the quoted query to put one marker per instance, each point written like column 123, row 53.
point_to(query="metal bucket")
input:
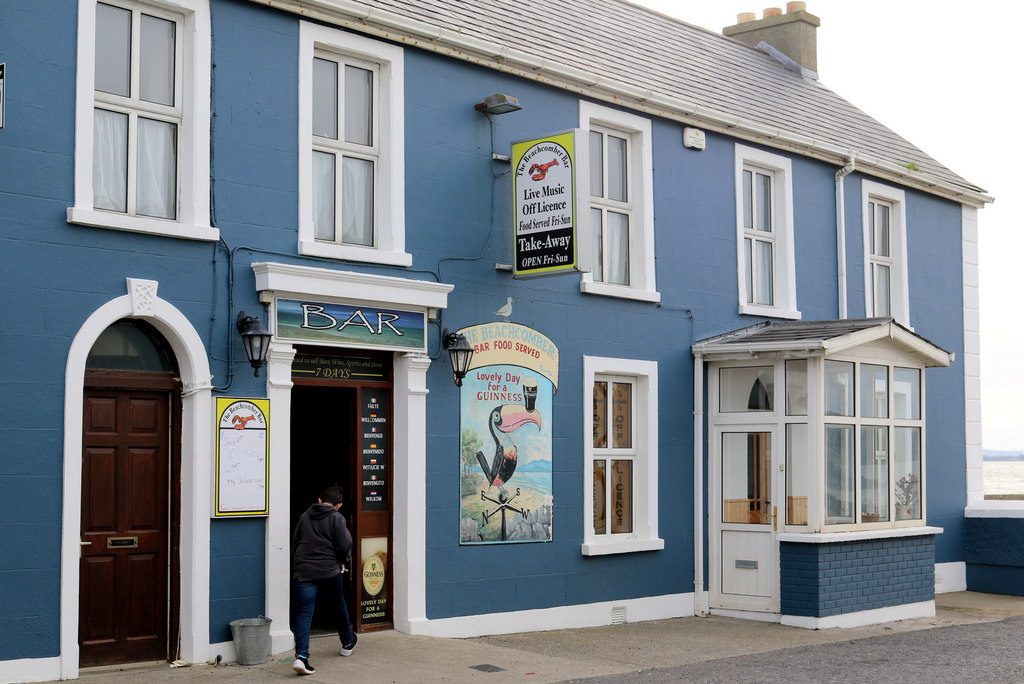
column 252, row 639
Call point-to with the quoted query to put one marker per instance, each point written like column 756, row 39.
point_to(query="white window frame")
column 638, row 131
column 644, row 376
column 389, row 186
column 193, row 141
column 784, row 262
column 890, row 423
column 899, row 293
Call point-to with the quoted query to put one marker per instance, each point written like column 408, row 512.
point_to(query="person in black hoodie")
column 321, row 547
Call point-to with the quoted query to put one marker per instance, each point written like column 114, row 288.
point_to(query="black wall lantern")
column 255, row 339
column 460, row 352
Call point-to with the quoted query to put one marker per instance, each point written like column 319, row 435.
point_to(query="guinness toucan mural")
column 506, row 435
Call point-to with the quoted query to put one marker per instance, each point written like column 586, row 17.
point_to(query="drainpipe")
column 699, row 609
column 841, row 230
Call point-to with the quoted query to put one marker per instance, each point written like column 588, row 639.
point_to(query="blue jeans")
column 304, row 600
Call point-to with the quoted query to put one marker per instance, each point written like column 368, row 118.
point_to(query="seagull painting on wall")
column 506, row 310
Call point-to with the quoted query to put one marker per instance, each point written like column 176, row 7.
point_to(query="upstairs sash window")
column 345, row 150
column 138, row 113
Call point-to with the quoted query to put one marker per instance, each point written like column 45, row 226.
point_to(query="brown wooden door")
column 125, row 527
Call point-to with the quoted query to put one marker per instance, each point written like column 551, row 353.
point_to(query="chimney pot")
column 796, row 6
column 772, row 12
column 744, row 17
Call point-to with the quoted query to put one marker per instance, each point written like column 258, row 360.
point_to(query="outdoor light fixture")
column 460, row 352
column 499, row 103
column 255, row 339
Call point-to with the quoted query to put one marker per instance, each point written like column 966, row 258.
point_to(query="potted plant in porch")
column 907, row 492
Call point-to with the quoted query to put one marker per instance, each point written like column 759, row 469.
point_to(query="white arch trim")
column 196, row 466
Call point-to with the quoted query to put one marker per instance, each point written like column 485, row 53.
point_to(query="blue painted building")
column 761, row 388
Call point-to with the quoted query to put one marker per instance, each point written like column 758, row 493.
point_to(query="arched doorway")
column 130, row 509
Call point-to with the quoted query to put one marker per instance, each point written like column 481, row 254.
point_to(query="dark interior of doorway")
column 322, row 451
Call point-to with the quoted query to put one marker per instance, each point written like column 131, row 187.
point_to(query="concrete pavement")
column 707, row 649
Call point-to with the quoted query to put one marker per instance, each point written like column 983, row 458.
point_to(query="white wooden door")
column 744, row 516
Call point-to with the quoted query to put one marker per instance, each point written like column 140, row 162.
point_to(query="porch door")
column 125, row 526
column 745, row 515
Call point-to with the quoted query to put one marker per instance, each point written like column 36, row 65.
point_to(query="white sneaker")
column 346, row 649
column 302, row 666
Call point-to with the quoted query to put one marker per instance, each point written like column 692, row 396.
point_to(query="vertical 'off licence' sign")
column 548, row 237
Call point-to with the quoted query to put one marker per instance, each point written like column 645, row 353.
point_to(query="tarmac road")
column 980, row 653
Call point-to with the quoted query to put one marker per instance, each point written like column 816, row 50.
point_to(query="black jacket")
column 321, row 543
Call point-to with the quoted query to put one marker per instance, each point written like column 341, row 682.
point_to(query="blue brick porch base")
column 837, row 578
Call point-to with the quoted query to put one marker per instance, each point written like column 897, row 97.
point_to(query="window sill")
column 995, row 508
column 607, row 548
column 858, row 535
column 344, row 252
column 620, row 291
column 140, row 224
column 769, row 311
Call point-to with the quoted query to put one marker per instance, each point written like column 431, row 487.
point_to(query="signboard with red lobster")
column 548, row 233
column 243, row 458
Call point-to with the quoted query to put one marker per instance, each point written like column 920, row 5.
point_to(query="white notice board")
column 243, row 458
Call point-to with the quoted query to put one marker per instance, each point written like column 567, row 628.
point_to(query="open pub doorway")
column 341, row 433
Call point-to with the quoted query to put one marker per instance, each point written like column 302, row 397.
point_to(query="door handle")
column 81, row 545
column 775, row 517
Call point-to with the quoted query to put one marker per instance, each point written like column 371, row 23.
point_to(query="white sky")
column 946, row 76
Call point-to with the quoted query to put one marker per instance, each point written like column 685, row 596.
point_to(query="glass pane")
column 745, row 477
column 871, row 228
column 156, row 61
column 325, row 98
column 110, row 161
column 113, row 49
column 874, row 391
column 838, row 388
column 748, row 199
column 798, row 474
column 874, row 474
column 323, row 196
column 750, row 388
column 906, row 393
column 763, row 285
column 622, row 415
column 157, row 169
column 763, row 202
column 796, row 388
column 596, row 218
column 600, row 415
column 618, row 248
column 596, row 164
column 748, row 264
column 357, row 202
column 622, row 497
column 839, row 474
column 880, row 282
column 600, row 497
column 358, row 105
column 880, row 239
column 618, row 178
column 129, row 345
column 906, row 452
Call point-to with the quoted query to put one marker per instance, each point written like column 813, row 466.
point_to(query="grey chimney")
column 793, row 33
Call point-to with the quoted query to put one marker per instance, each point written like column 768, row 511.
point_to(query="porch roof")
column 817, row 338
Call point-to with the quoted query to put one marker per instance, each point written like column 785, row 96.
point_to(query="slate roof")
column 818, row 336
column 721, row 77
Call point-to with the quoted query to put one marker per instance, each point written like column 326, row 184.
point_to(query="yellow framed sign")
column 241, row 483
column 550, row 232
